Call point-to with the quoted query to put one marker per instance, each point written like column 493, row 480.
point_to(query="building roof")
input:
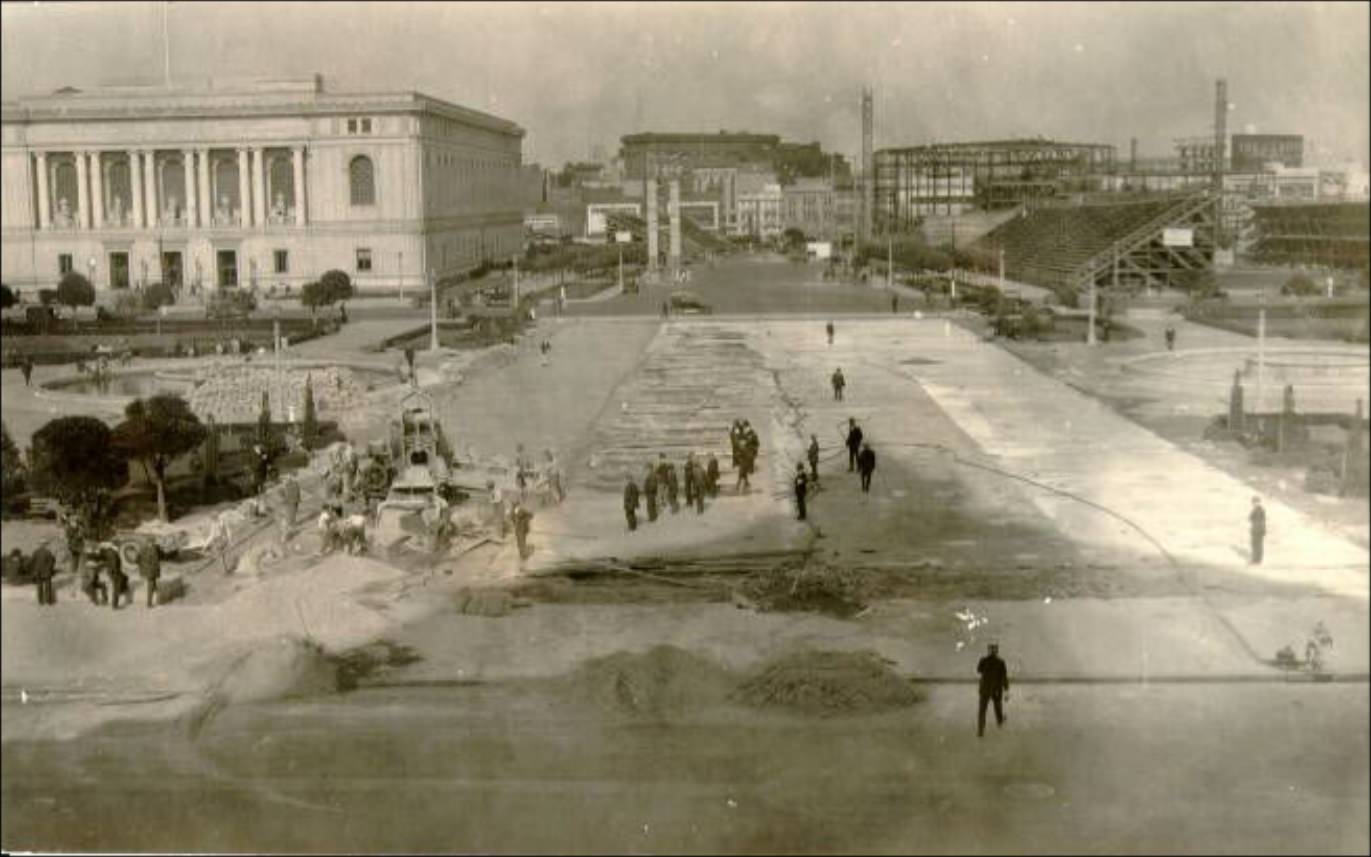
column 216, row 99
column 1023, row 143
column 699, row 137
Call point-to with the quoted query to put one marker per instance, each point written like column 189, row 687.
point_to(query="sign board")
column 1178, row 237
column 623, row 236
column 819, row 249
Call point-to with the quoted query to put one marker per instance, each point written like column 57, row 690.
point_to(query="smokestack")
column 1133, row 155
column 868, row 172
column 1220, row 130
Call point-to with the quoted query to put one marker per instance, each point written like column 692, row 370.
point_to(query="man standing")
column 27, row 368
column 1170, row 338
column 290, row 496
column 801, row 483
column 118, row 581
column 830, row 333
column 43, row 565
column 994, row 687
column 522, row 519
column 150, row 569
column 712, row 476
column 895, row 304
column 854, row 443
column 813, row 453
column 650, row 493
column 631, row 502
column 1257, row 521
column 735, row 439
column 866, row 465
column 661, row 478
column 688, row 476
column 673, row 488
column 497, row 507
column 839, row 382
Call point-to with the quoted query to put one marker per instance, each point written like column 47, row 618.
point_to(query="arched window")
column 362, row 178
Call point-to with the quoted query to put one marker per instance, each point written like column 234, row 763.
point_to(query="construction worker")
column 118, row 581
column 994, row 687
column 673, row 488
column 630, row 502
column 712, row 476
column 1256, row 520
column 830, row 333
column 522, row 519
column 91, row 584
column 497, row 508
column 553, row 472
column 150, row 569
column 735, row 439
column 801, row 483
column 693, row 486
column 866, row 465
column 42, row 565
column 813, row 453
column 854, row 443
column 839, row 382
column 328, row 529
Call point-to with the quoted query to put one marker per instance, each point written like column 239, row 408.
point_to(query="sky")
column 577, row 76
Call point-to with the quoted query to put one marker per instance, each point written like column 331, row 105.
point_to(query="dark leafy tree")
column 7, row 298
column 310, row 423
column 74, row 290
column 315, row 295
column 73, row 460
column 156, row 431
column 337, row 286
column 158, row 295
column 11, row 467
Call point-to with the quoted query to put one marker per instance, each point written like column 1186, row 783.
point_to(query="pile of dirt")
column 828, row 683
column 661, row 681
column 800, row 586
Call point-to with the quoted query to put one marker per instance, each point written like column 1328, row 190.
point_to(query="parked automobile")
column 688, row 302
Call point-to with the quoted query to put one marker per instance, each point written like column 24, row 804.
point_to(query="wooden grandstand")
column 1067, row 247
column 695, row 239
column 1336, row 234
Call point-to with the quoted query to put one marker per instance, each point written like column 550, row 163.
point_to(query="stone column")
column 136, row 187
column 82, row 195
column 650, row 200
column 150, row 188
column 298, row 173
column 674, row 227
column 259, row 187
column 188, row 162
column 97, row 191
column 44, row 201
column 244, row 190
column 206, row 199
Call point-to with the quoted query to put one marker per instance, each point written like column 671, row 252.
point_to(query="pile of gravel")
column 233, row 394
column 827, row 683
column 662, row 681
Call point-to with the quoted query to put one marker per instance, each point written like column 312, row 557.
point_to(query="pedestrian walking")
column 801, row 483
column 631, row 502
column 854, row 443
column 745, row 466
column 712, row 476
column 650, row 490
column 553, row 472
column 666, row 310
column 1170, row 338
column 839, row 382
column 735, row 438
column 813, row 453
column 693, row 481
column 150, row 569
column 673, row 488
column 523, row 519
column 661, row 479
column 42, row 565
column 27, row 368
column 994, row 687
column 829, row 328
column 866, row 465
column 1256, row 520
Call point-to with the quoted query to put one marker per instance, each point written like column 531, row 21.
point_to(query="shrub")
column 74, row 290
column 158, row 295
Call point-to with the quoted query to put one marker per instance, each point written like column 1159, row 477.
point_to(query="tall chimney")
column 1133, row 155
column 1220, row 130
column 868, row 171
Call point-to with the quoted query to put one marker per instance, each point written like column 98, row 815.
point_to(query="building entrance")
column 119, row 270
column 227, row 263
column 171, row 269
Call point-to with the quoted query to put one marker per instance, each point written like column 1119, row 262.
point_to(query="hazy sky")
column 577, row 75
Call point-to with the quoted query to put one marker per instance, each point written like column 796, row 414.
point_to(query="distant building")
column 261, row 184
column 1252, row 152
column 759, row 213
column 649, row 154
column 819, row 209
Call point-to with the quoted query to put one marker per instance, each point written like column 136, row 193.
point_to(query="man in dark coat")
column 735, row 439
column 839, row 382
column 662, row 467
column 118, row 581
column 712, row 476
column 866, row 465
column 994, row 687
column 813, row 453
column 691, row 480
column 27, row 368
column 1256, row 520
column 830, row 333
column 523, row 518
column 631, row 502
column 854, row 443
column 673, row 488
column 150, row 569
column 801, row 483
column 42, row 567
column 650, row 493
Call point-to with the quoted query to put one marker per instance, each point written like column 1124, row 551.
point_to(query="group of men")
column 516, row 515
column 661, row 487
column 860, row 457
column 102, row 558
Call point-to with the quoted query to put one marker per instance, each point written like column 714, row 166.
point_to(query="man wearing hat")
column 43, row 565
column 631, row 502
column 801, row 482
column 994, row 687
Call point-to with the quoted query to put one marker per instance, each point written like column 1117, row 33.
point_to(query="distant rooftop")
column 700, row 137
column 254, row 97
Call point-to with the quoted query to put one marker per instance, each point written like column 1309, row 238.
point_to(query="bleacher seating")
column 1332, row 233
column 1050, row 246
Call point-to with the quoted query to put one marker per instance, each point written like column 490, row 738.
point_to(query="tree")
column 7, row 298
column 74, row 461
column 794, row 238
column 154, row 432
column 337, row 286
column 310, row 424
column 74, row 290
column 158, row 295
column 47, row 297
column 1301, row 285
column 11, row 467
column 314, row 295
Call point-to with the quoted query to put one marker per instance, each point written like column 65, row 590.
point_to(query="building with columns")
column 254, row 184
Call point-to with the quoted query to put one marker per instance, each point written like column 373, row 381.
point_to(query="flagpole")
column 166, row 46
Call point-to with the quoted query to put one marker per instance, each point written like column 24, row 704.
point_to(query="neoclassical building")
column 267, row 183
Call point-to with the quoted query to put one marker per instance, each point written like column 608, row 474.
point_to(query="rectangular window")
column 363, row 258
column 366, row 126
column 352, row 126
column 226, row 261
column 282, row 260
column 64, row 263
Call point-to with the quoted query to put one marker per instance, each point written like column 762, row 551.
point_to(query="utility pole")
column 1261, row 354
column 166, row 46
column 433, row 312
column 889, row 262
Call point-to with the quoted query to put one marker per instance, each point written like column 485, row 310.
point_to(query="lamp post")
column 433, row 312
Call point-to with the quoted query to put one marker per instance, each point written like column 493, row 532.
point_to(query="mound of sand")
column 827, row 683
column 806, row 587
column 234, row 393
column 661, row 681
